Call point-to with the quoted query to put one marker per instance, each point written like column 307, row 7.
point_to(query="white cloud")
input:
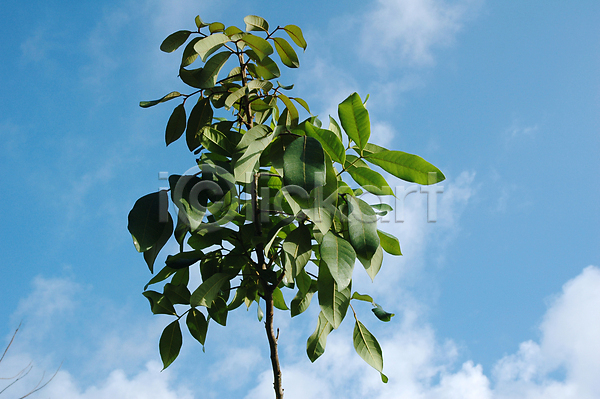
column 411, row 29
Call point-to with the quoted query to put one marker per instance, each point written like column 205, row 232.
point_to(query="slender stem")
column 273, row 345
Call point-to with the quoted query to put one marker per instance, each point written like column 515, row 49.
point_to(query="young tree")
column 267, row 208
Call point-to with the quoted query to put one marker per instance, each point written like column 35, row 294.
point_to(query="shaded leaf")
column 332, row 300
column 151, row 254
column 208, row 45
column 218, row 311
column 373, row 265
column 177, row 294
column 184, row 259
column 174, row 40
column 329, row 140
column 362, row 227
column 189, row 53
column 304, row 163
column 362, row 297
column 297, row 246
column 176, row 125
column 201, row 116
column 382, row 314
column 261, row 47
column 162, row 275
column 206, row 293
column 278, row 300
column 255, row 140
column 315, row 346
column 148, row 220
column 197, row 324
column 159, row 303
column 167, row 97
column 170, row 343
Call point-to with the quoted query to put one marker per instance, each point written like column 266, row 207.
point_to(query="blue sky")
column 497, row 299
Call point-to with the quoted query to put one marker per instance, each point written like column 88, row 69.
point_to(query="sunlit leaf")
column 389, row 243
column 339, row 256
column 330, row 142
column 216, row 27
column 362, row 227
column 408, row 167
column 261, row 47
column 208, row 45
column 170, row 96
column 286, row 53
column 295, row 34
column 332, row 300
column 255, row 23
column 367, row 347
column 278, row 300
column 355, row 120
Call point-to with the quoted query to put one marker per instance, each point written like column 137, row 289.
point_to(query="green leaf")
column 216, row 27
column 297, row 246
column 184, row 259
column 218, row 311
column 159, row 303
column 330, row 142
column 275, row 230
column 189, row 53
column 201, row 116
column 302, row 300
column 177, row 294
column 170, row 96
column 162, row 275
column 369, row 179
column 197, row 324
column 236, row 96
column 151, row 254
column 199, row 22
column 408, row 167
column 367, row 347
column 339, row 256
column 205, row 78
column 206, row 293
column 208, row 45
column 362, row 297
column 233, row 31
column 382, row 314
column 332, row 300
column 176, row 124
column 278, row 300
column 389, row 243
column 254, row 22
column 382, row 209
column 216, row 141
column 295, row 34
column 335, row 128
column 174, row 40
column 355, row 120
column 170, row 343
column 304, row 282
column 260, row 46
column 266, row 69
column 291, row 108
column 148, row 220
column 304, row 163
column 362, row 227
column 373, row 265
column 286, row 53
column 315, row 346
column 256, row 140
column 303, row 103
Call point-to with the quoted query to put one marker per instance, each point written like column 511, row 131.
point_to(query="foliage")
column 267, row 208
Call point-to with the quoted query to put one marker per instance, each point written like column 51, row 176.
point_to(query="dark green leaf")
column 304, row 163
column 408, row 167
column 286, row 53
column 189, row 53
column 151, row 254
column 333, row 301
column 206, row 293
column 184, row 259
column 218, row 311
column 389, row 243
column 148, row 220
column 255, row 140
column 315, row 346
column 201, row 116
column 382, row 314
column 355, row 120
column 261, row 47
column 162, row 275
column 170, row 343
column 177, row 294
column 254, row 22
column 174, row 40
column 300, row 303
column 297, row 246
column 197, row 324
column 303, row 103
column 170, row 96
column 159, row 303
column 295, row 34
column 176, row 124
column 339, row 256
column 362, row 226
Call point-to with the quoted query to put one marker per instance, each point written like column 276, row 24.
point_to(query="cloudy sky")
column 499, row 298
